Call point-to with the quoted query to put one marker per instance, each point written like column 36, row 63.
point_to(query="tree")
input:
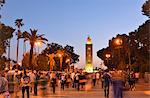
column 2, row 2
column 146, row 8
column 42, row 62
column 58, row 56
column 74, row 57
column 32, row 38
column 135, row 49
column 25, row 61
column 18, row 23
column 6, row 33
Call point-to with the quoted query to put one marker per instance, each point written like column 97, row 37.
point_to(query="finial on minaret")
column 89, row 41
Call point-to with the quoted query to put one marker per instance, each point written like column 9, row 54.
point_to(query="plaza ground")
column 142, row 90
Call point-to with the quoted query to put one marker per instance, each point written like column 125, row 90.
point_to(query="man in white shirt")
column 32, row 80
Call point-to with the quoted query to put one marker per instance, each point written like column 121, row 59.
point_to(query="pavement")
column 142, row 90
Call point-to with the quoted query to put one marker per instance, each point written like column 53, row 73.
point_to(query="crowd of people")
column 33, row 81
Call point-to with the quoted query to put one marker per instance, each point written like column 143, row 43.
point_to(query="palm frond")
column 41, row 35
column 33, row 32
column 44, row 39
column 26, row 35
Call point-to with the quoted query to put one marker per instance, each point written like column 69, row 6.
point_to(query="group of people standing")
column 29, row 82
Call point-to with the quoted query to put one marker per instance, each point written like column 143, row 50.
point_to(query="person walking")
column 37, row 78
column 97, row 78
column 43, row 81
column 76, row 79
column 16, row 83
column 4, row 93
column 94, row 79
column 25, row 82
column 53, row 81
column 117, row 81
column 63, row 79
column 107, row 81
column 32, row 80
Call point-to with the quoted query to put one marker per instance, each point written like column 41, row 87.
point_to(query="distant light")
column 107, row 55
column 59, row 55
column 38, row 43
column 118, row 41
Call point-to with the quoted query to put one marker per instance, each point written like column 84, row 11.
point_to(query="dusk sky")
column 71, row 21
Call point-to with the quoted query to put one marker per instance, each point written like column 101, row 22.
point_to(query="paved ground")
column 142, row 91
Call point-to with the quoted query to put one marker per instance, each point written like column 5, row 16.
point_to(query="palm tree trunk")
column 17, row 50
column 9, row 49
column 31, row 55
column 24, row 47
column 61, row 61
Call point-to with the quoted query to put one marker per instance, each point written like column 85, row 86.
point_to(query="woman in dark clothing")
column 25, row 80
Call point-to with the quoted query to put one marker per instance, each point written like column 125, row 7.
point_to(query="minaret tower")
column 89, row 55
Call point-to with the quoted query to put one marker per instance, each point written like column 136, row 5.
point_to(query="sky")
column 71, row 21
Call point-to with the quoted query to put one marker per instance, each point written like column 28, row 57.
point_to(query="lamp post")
column 129, row 56
column 118, row 43
column 107, row 58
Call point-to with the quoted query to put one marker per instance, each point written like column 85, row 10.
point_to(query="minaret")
column 89, row 55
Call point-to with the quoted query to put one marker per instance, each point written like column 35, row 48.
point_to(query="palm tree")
column 51, row 60
column 18, row 23
column 32, row 38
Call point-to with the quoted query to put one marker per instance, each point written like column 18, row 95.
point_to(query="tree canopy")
column 6, row 33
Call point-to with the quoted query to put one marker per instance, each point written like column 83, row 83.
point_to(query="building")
column 89, row 55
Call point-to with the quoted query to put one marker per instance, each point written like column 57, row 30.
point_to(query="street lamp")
column 61, row 60
column 118, row 43
column 38, row 44
column 60, row 54
column 107, row 57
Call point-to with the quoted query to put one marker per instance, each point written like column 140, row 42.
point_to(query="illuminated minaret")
column 89, row 55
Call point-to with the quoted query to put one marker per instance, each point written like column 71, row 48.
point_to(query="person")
column 53, row 81
column 72, row 79
column 16, row 83
column 37, row 78
column 43, row 81
column 97, row 78
column 4, row 93
column 25, row 82
column 82, row 79
column 63, row 79
column 117, row 81
column 131, row 81
column 137, row 75
column 76, row 79
column 32, row 80
column 94, row 79
column 107, row 81
column 102, row 80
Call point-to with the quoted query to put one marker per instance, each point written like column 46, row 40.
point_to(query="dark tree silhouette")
column 146, row 8
column 6, row 33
